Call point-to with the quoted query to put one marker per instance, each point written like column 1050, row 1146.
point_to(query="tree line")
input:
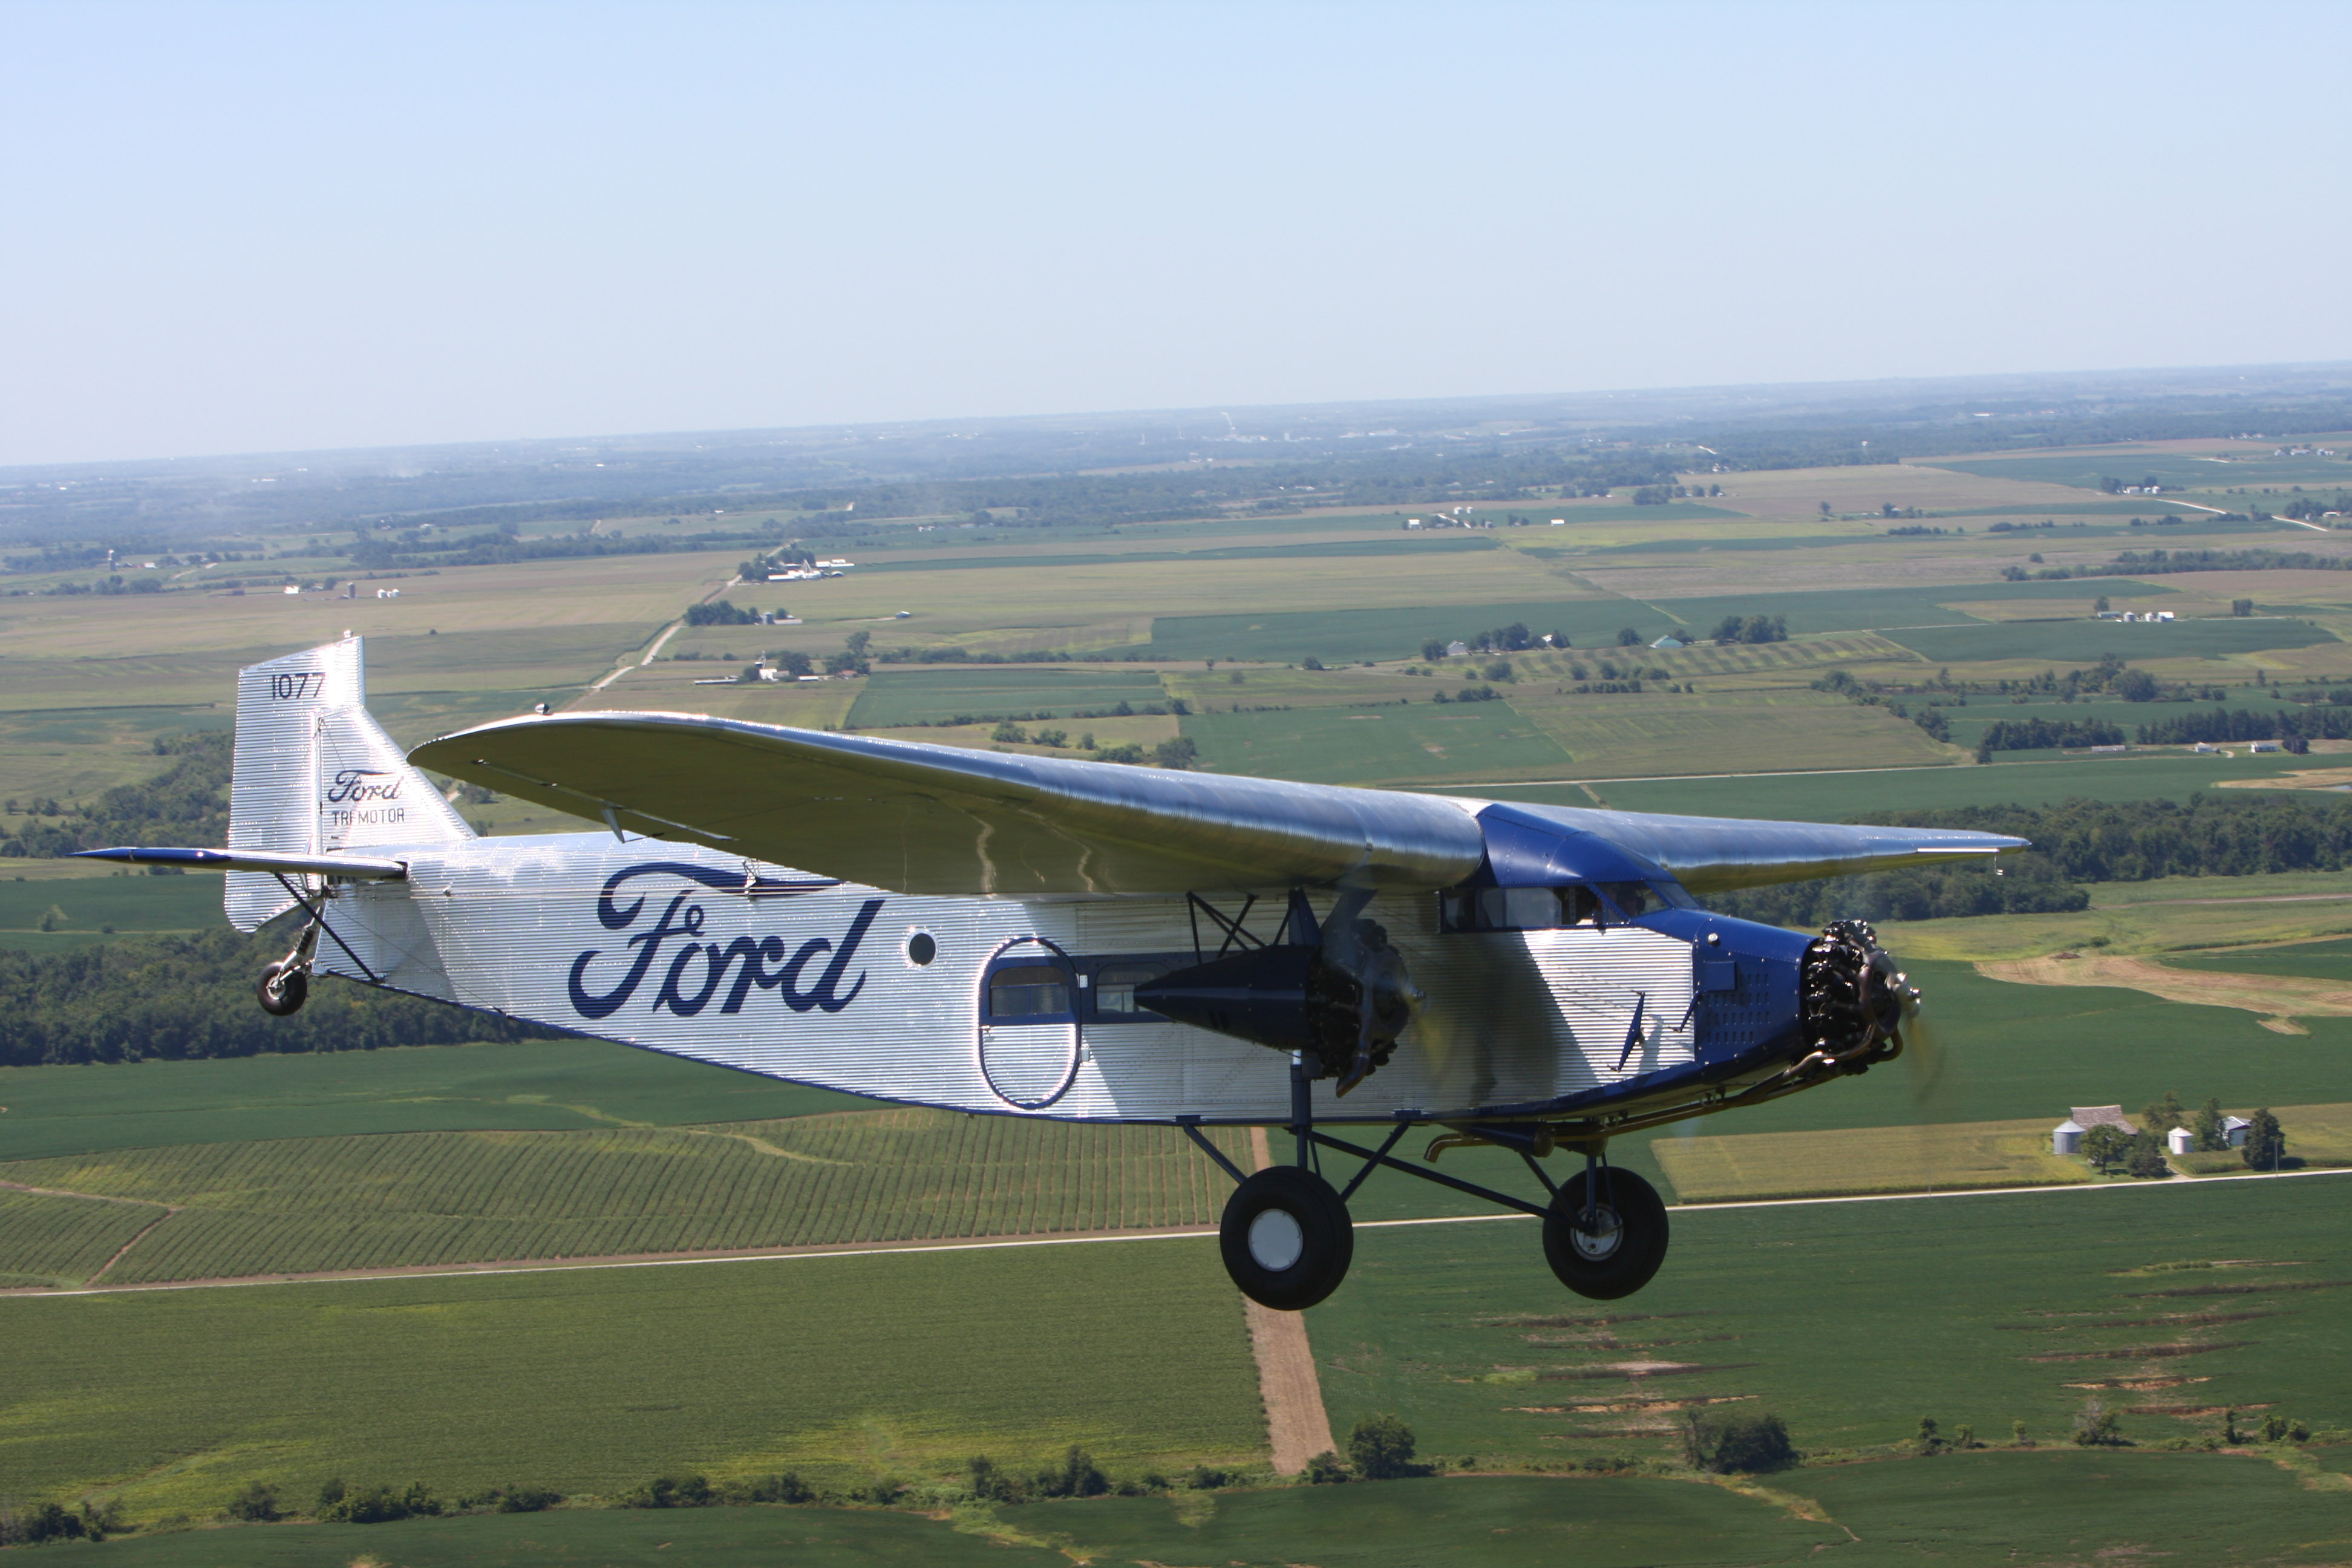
column 189, row 998
column 2296, row 727
column 2077, row 841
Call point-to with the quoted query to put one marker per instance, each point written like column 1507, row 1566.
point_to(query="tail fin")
column 314, row 774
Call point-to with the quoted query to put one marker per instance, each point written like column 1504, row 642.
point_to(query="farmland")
column 322, row 1205
column 1851, row 1320
column 551, row 1085
column 1958, row 1310
column 1966, row 1509
column 843, row 1369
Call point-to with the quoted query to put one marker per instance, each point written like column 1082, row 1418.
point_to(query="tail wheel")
column 1286, row 1238
column 1616, row 1249
column 283, row 990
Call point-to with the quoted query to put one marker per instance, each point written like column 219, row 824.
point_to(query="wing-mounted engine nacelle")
column 1341, row 1001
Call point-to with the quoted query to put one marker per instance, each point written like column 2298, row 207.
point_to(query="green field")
column 2254, row 465
column 1399, row 544
column 1337, row 634
column 1655, row 731
column 1867, row 609
column 1967, row 1510
column 551, row 1085
column 2085, row 642
column 593, row 1381
column 51, row 1241
column 2313, row 960
column 896, row 696
column 327, row 1205
column 1731, row 1164
column 1982, row 1309
column 1376, row 745
column 82, row 908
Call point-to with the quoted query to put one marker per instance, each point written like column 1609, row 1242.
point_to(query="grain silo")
column 2066, row 1138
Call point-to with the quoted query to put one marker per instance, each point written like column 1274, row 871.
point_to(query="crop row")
column 47, row 1240
column 325, row 1204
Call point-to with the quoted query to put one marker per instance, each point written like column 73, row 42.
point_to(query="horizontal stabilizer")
column 940, row 819
column 352, row 867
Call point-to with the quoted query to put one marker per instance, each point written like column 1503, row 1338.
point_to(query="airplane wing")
column 942, row 819
column 946, row 820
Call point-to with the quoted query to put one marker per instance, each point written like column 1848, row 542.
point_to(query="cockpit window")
column 1115, row 987
column 1594, row 907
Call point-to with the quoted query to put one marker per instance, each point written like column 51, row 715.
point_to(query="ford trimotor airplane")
column 1035, row 936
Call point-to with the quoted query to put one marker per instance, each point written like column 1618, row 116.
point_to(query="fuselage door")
column 1029, row 1048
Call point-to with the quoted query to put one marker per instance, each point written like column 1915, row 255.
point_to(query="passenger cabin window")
column 1029, row 991
column 1115, row 987
column 1546, row 908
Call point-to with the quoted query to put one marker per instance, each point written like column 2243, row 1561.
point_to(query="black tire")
column 283, row 990
column 1286, row 1238
column 1627, row 1252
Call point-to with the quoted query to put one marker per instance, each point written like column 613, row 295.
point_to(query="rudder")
column 313, row 774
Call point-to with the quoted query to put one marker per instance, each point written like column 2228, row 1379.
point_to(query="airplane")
column 1016, row 935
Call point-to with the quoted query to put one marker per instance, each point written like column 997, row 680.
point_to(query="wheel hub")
column 1277, row 1240
column 1598, row 1243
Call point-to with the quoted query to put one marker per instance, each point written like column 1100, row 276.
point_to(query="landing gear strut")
column 1286, row 1238
column 286, row 984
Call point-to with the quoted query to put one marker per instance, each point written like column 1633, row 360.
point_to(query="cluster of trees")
column 1751, row 629
column 2159, row 563
column 2296, row 728
column 55, row 1521
column 719, row 613
column 1512, row 638
column 258, row 1503
column 2307, row 509
column 1380, row 1448
column 1469, row 694
column 2047, row 734
column 1078, row 1475
column 1735, row 1445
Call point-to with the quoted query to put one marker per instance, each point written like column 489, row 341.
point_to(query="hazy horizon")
column 258, row 229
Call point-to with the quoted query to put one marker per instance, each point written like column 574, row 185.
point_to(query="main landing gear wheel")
column 1286, row 1238
column 1615, row 1250
column 283, row 990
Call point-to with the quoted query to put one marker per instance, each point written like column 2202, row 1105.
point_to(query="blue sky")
column 238, row 227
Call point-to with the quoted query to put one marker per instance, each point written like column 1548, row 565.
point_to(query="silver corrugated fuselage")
column 701, row 954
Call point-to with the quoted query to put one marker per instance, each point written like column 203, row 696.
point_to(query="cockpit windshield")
column 1594, row 906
